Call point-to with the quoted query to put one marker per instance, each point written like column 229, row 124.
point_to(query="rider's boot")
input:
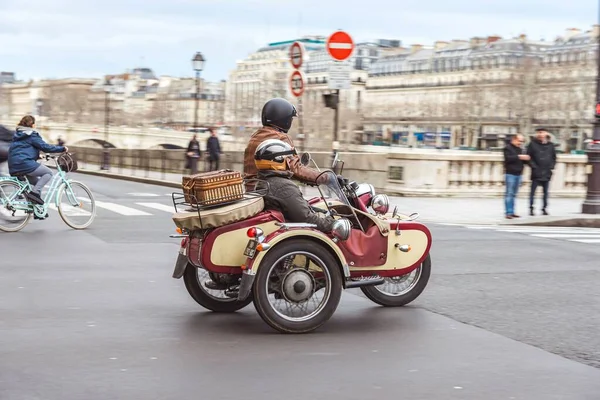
column 34, row 198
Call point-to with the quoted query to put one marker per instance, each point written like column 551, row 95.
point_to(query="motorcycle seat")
column 219, row 216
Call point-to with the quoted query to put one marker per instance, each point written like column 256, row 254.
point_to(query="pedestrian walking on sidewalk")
column 213, row 148
column 543, row 160
column 193, row 155
column 514, row 162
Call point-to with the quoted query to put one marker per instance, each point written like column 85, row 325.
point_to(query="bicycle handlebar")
column 49, row 156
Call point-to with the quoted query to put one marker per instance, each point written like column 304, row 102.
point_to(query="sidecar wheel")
column 296, row 273
column 401, row 290
column 203, row 296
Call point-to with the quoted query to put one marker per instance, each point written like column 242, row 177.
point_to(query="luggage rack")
column 198, row 206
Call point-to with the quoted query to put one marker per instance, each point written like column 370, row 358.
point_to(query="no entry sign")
column 296, row 54
column 340, row 45
column 297, row 83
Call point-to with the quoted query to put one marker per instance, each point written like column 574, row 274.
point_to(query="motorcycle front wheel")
column 298, row 286
column 398, row 291
column 213, row 300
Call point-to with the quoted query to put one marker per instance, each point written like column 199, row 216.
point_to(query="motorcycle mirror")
column 335, row 160
column 305, row 158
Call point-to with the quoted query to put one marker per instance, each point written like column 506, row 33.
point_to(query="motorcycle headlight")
column 381, row 204
column 341, row 229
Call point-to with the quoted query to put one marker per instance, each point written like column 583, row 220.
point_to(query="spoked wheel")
column 211, row 299
column 11, row 218
column 76, row 205
column 400, row 290
column 298, row 286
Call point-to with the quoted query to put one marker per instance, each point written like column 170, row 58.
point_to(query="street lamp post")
column 591, row 205
column 198, row 65
column 106, row 153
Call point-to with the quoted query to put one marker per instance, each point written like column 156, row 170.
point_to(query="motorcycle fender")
column 181, row 263
column 280, row 236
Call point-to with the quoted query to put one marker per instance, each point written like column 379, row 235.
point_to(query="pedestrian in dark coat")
column 213, row 148
column 543, row 160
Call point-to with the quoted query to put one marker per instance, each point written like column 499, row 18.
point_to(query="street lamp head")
column 198, row 62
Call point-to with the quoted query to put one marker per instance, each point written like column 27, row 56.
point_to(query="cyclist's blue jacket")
column 25, row 151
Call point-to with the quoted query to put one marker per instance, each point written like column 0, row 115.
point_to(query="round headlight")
column 380, row 204
column 341, row 229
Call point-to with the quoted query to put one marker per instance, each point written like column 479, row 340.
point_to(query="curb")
column 567, row 222
column 137, row 179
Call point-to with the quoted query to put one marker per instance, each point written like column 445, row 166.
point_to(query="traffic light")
column 597, row 110
column 331, row 100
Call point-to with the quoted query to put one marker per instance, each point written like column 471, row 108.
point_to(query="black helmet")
column 278, row 113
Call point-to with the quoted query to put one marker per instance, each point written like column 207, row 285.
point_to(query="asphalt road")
column 95, row 314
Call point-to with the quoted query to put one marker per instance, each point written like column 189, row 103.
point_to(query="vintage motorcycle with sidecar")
column 234, row 251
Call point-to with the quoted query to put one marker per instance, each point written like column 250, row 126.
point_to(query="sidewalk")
column 479, row 211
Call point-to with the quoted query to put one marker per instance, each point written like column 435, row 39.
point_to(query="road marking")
column 566, row 236
column 71, row 211
column 119, row 209
column 580, row 235
column 144, row 194
column 158, row 206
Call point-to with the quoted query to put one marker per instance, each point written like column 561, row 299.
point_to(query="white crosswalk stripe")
column 580, row 235
column 118, row 208
column 158, row 206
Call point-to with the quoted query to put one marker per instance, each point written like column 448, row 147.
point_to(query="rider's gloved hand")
column 323, row 179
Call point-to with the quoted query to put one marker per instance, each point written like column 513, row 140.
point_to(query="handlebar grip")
column 319, row 210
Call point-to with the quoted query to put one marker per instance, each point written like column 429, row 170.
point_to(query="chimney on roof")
column 492, row 39
column 476, row 41
column 440, row 45
column 570, row 32
column 415, row 47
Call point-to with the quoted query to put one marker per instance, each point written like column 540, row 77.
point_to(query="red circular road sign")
column 297, row 83
column 340, row 45
column 296, row 54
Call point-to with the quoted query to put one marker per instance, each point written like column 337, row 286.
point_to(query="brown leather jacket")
column 301, row 173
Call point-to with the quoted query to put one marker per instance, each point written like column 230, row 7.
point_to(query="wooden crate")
column 212, row 188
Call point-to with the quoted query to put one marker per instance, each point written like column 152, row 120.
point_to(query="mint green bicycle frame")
column 40, row 210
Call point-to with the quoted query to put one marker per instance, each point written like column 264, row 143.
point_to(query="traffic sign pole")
column 340, row 47
column 297, row 85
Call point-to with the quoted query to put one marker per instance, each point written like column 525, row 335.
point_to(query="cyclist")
column 24, row 153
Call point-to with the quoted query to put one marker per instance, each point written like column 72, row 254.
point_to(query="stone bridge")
column 127, row 138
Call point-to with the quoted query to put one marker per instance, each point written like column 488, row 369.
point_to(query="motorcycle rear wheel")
column 388, row 299
column 200, row 294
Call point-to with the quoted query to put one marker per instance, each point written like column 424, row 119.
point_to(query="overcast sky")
column 88, row 38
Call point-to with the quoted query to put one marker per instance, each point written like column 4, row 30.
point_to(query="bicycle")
column 14, row 205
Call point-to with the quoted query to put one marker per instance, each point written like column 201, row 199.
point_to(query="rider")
column 24, row 153
column 277, row 117
column 271, row 161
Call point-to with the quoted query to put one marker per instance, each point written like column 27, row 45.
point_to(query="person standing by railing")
column 514, row 162
column 213, row 148
column 193, row 155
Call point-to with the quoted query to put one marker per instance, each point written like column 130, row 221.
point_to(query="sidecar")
column 293, row 272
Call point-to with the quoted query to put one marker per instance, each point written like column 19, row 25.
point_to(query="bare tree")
column 66, row 103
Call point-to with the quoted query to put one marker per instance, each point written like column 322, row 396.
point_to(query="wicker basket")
column 213, row 188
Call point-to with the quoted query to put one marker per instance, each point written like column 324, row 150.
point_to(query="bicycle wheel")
column 13, row 217
column 76, row 205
